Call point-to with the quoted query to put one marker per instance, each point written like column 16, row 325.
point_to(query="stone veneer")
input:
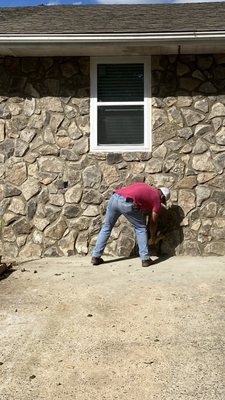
column 53, row 191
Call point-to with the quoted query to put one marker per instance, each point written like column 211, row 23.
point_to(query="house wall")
column 53, row 191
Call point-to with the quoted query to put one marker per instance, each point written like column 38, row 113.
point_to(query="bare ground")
column 118, row 331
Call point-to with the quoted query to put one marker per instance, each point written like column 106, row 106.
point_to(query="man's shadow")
column 169, row 232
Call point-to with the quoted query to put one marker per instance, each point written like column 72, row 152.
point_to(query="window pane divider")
column 120, row 103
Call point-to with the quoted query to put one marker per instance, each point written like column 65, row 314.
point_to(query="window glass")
column 120, row 125
column 120, row 82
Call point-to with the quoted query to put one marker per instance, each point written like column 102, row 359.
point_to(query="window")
column 120, row 104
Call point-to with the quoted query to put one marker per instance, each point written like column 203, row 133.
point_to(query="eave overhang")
column 112, row 44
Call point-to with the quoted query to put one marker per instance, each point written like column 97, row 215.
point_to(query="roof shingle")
column 67, row 19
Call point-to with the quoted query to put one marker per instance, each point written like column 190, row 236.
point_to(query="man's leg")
column 112, row 214
column 137, row 219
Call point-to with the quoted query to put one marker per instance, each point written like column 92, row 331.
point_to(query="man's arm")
column 152, row 226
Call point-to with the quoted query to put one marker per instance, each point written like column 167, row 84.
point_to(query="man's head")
column 165, row 194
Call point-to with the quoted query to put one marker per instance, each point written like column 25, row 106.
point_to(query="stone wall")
column 53, row 191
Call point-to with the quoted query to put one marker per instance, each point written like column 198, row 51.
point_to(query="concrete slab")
column 117, row 331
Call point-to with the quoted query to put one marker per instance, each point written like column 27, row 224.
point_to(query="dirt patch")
column 116, row 331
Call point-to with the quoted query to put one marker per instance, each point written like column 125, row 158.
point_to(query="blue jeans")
column 118, row 205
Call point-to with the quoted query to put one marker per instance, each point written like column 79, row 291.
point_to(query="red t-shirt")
column 145, row 196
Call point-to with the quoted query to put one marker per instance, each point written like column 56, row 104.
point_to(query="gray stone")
column 215, row 248
column 29, row 107
column 37, row 121
column 203, row 162
column 202, row 129
column 56, row 229
column 48, row 149
column 64, row 141
column 48, row 135
column 56, row 199
column 188, row 182
column 210, row 137
column 55, row 122
column 218, row 233
column 186, row 200
column 37, row 237
column 192, row 117
column 92, row 177
column 91, row 211
column 182, row 69
column 31, row 208
column 125, row 245
column 217, row 123
column 16, row 172
column 9, row 218
column 70, row 211
column 69, row 69
column 83, row 123
column 219, row 161
column 92, row 196
column 79, row 224
column 10, row 250
column 154, row 165
column 205, row 177
column 67, row 244
column 73, row 194
column 160, row 180
column 202, row 105
column 198, row 75
column 30, row 251
column 95, row 225
column 184, row 101
column 159, row 118
column 132, row 156
column 188, row 83
column 69, row 155
column 50, row 164
column 2, row 131
column 20, row 148
column 81, row 146
column 22, row 227
column 52, row 104
column 4, row 111
column 70, row 112
column 82, row 244
column 40, row 223
column 218, row 110
column 186, row 149
column 160, row 152
column 220, row 136
column 52, row 252
column 114, row 158
column 7, row 146
column 185, row 133
column 17, row 206
column 208, row 88
column 11, row 191
column 175, row 116
column 74, row 132
column 202, row 193
column 163, row 134
column 200, row 147
column 173, row 145
column 219, row 196
column 37, row 142
column 8, row 235
column 30, row 188
column 110, row 174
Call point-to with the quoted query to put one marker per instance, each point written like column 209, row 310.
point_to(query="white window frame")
column 94, row 147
